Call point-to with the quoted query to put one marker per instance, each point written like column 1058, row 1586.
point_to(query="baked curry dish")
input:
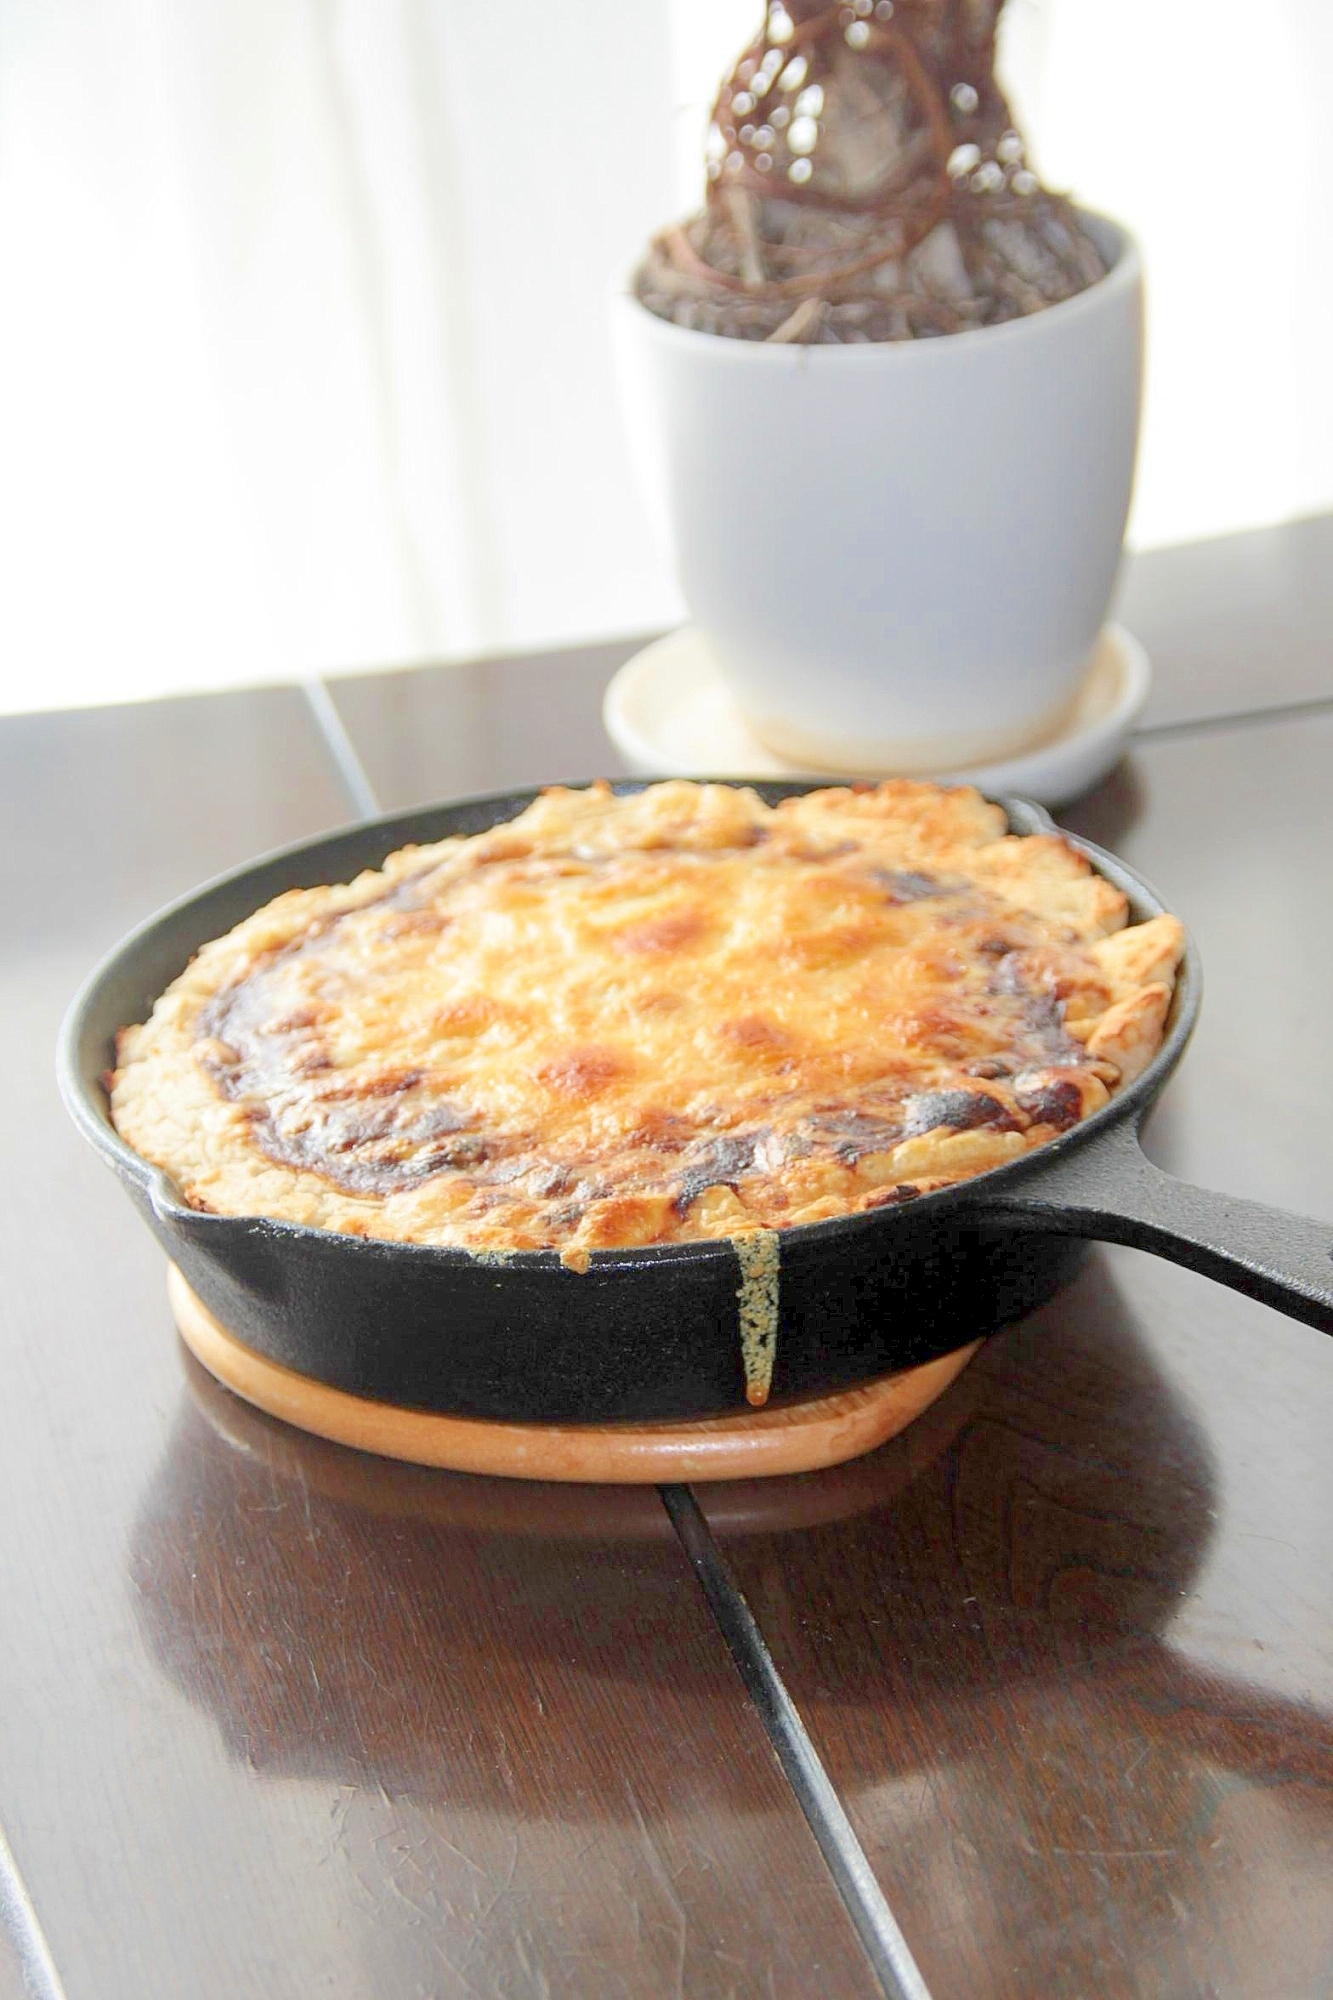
column 672, row 1015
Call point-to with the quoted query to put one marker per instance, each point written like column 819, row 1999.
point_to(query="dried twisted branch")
column 863, row 162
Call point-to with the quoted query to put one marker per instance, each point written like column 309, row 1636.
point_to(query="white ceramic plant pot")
column 902, row 553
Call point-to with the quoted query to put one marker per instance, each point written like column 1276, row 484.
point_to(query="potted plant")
column 884, row 393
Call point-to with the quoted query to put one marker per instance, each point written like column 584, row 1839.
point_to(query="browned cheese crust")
column 651, row 1019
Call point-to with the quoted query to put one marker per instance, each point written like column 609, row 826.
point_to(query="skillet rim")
column 81, row 1092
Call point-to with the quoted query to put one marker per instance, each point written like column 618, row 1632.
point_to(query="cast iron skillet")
column 653, row 1332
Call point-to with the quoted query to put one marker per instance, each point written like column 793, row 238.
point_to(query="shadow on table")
column 347, row 1618
column 1111, row 810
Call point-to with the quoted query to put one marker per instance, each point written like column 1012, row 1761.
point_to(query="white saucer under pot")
column 670, row 711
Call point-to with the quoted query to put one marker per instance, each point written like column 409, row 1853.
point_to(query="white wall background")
column 302, row 365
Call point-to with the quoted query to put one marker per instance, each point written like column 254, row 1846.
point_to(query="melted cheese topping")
column 674, row 1015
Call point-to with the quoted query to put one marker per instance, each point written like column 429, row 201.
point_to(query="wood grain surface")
column 279, row 1719
column 266, row 1727
column 1074, row 1680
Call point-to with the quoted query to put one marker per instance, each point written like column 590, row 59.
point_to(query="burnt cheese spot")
column 294, row 1022
column 661, row 1131
column 829, row 946
column 852, row 1134
column 312, row 1061
column 1041, row 1011
column 365, row 1146
column 391, row 1083
column 471, row 1015
column 718, row 1162
column 906, row 885
column 674, row 930
column 414, row 923
column 957, row 1110
column 215, row 1054
column 582, row 1072
column 762, row 1042
column 892, row 1197
column 1055, row 1101
column 751, row 1031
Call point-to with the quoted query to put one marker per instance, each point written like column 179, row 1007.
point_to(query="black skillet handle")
column 1110, row 1191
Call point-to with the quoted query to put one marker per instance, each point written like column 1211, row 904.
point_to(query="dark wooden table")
column 1044, row 1688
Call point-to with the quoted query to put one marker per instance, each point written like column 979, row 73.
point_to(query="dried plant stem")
column 740, row 207
column 799, row 324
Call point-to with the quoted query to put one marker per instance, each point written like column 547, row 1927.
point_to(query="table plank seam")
column 19, row 1919
column 336, row 740
column 864, row 1900
column 1240, row 718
